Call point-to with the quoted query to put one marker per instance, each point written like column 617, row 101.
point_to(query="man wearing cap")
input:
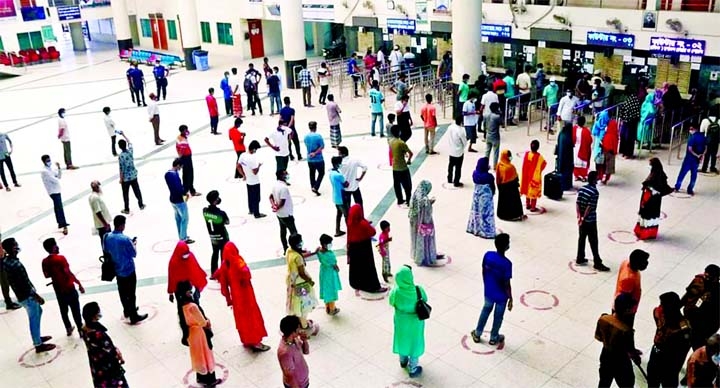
column 215, row 220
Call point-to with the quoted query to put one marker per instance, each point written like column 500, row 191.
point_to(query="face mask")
column 186, row 256
column 48, row 163
column 510, row 158
column 569, row 94
column 17, row 250
column 219, row 201
column 329, row 247
column 716, row 359
column 287, row 177
column 300, row 246
column 99, row 317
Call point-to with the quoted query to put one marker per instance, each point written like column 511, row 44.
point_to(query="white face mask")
column 300, row 246
column 329, row 247
column 48, row 163
column 185, row 256
column 716, row 359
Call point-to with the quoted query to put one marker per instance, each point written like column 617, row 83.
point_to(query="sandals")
column 260, row 348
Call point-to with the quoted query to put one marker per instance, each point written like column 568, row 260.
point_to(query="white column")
column 651, row 5
column 122, row 24
column 77, row 37
column 466, row 45
column 293, row 38
column 189, row 30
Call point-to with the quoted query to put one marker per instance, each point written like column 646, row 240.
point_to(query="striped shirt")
column 587, row 199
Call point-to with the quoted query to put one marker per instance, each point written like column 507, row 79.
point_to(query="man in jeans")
column 402, row 179
column 694, row 154
column 5, row 160
column 122, row 252
column 306, row 82
column 586, row 206
column 5, row 285
column 282, row 205
column 25, row 293
column 273, row 83
column 178, row 196
column 497, row 272
column 316, row 164
column 280, row 144
column 376, row 108
column 349, row 169
column 56, row 267
column 128, row 174
column 51, row 181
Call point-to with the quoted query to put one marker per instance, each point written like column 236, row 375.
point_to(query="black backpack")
column 249, row 84
column 713, row 130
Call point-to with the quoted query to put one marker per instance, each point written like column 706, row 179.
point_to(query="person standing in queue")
column 137, row 80
column 154, row 118
column 287, row 116
column 213, row 111
column 227, row 93
column 64, row 137
column 161, row 73
column 216, row 221
column 185, row 155
column 178, row 200
column 238, row 139
column 51, row 181
column 184, row 274
column 248, row 167
column 56, row 268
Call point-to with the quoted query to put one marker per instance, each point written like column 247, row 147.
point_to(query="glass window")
column 172, row 30
column 225, row 33
column 205, row 30
column 145, row 28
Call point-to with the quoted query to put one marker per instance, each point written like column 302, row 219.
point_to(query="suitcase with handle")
column 553, row 186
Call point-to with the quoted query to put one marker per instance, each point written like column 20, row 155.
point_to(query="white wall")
column 102, row 30
column 272, row 37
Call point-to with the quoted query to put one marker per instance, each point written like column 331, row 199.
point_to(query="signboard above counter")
column 406, row 26
column 499, row 33
column 68, row 12
column 677, row 46
column 606, row 39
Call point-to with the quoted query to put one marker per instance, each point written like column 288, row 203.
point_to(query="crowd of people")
column 578, row 147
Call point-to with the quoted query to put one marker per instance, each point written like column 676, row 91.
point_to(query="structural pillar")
column 189, row 30
column 77, row 37
column 293, row 38
column 122, row 24
column 466, row 44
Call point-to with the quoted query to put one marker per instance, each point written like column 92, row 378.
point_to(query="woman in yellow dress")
column 301, row 299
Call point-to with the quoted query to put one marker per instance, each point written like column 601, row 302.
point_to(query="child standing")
column 384, row 249
column 329, row 278
column 388, row 126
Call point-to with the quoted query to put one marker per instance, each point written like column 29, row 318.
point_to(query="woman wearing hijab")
column 609, row 148
column 565, row 156
column 301, row 299
column 183, row 267
column 582, row 140
column 509, row 203
column 482, row 211
column 422, row 227
column 648, row 110
column 654, row 188
column 671, row 342
column 598, row 133
column 201, row 355
column 532, row 180
column 408, row 330
column 105, row 359
column 236, row 286
column 361, row 260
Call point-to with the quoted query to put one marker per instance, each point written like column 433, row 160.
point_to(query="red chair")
column 54, row 54
column 16, row 60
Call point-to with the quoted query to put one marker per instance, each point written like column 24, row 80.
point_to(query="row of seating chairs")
column 150, row 57
column 29, row 56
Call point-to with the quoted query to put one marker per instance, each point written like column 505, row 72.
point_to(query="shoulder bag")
column 422, row 309
column 108, row 267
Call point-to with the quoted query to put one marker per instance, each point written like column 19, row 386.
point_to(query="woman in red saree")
column 582, row 139
column 654, row 188
column 363, row 275
column 609, row 145
column 183, row 267
column 531, row 179
column 235, row 285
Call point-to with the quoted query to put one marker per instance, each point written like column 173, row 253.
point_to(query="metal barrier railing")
column 681, row 129
column 533, row 106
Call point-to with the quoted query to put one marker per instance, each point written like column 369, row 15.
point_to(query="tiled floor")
column 544, row 348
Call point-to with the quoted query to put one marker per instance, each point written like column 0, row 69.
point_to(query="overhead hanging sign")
column 497, row 32
column 401, row 25
column 7, row 9
column 68, row 12
column 679, row 46
column 621, row 41
column 318, row 11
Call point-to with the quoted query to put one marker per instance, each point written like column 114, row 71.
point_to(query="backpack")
column 249, row 84
column 713, row 130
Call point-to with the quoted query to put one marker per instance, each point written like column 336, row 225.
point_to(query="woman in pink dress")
column 201, row 355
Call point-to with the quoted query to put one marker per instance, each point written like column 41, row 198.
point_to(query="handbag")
column 426, row 230
column 303, row 289
column 422, row 309
column 107, row 268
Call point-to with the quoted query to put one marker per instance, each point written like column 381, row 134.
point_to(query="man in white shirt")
column 483, row 66
column 566, row 107
column 64, row 137
column 51, row 181
column 470, row 120
column 409, row 58
column 524, row 84
column 396, row 58
column 154, row 115
column 457, row 141
column 249, row 168
column 380, row 57
column 349, row 168
column 110, row 127
column 235, row 88
column 281, row 144
column 100, row 212
column 282, row 205
column 710, row 127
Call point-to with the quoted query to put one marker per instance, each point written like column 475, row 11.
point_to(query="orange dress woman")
column 201, row 355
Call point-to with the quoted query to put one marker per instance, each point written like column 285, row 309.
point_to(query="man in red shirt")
column 213, row 110
column 182, row 146
column 628, row 280
column 238, row 139
column 56, row 267
column 499, row 86
column 428, row 113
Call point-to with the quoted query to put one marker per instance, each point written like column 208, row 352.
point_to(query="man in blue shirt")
column 160, row 73
column 376, row 108
column 315, row 144
column 178, row 195
column 122, row 253
column 497, row 272
column 129, row 80
column 227, row 93
column 137, row 81
column 693, row 156
column 354, row 72
column 338, row 182
column 287, row 115
column 273, row 83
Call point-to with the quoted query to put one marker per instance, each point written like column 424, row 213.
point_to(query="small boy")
column 338, row 183
column 388, row 126
column 384, row 249
column 329, row 277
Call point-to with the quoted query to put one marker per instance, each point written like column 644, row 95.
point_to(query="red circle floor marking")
column 151, row 310
column 450, row 186
column 224, row 372
column 542, row 211
column 680, row 195
column 464, row 343
column 42, row 358
column 574, row 267
column 237, row 221
column 365, row 295
column 555, row 302
column 90, row 273
column 164, row 246
column 405, row 383
column 298, row 199
column 614, row 236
